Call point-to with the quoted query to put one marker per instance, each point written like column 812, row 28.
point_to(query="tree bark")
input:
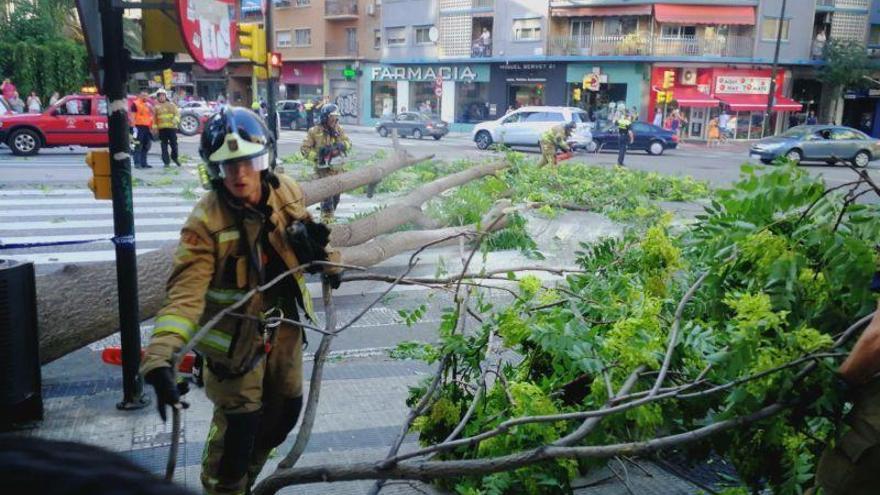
column 77, row 305
column 408, row 209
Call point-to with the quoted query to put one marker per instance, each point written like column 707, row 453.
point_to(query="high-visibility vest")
column 166, row 115
column 142, row 114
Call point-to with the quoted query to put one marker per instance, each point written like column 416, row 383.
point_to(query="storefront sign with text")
column 742, row 85
column 427, row 73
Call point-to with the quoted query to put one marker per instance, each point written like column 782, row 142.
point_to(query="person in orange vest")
column 143, row 122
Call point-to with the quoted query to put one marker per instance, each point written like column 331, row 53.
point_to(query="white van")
column 524, row 126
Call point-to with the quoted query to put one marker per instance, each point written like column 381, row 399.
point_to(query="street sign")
column 591, row 82
column 208, row 28
column 438, row 92
column 90, row 21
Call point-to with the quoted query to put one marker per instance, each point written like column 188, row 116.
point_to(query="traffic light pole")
column 115, row 76
column 271, row 80
column 771, row 98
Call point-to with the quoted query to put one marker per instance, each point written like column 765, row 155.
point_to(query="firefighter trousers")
column 168, row 138
column 145, row 140
column 548, row 154
column 851, row 466
column 253, row 414
column 328, row 206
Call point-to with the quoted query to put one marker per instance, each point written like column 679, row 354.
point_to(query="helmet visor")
column 257, row 164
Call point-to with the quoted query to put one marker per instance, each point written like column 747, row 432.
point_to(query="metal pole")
column 771, row 98
column 271, row 80
column 115, row 64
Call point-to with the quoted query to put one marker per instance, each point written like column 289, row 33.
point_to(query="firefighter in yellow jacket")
column 324, row 143
column 252, row 227
column 553, row 139
column 167, row 120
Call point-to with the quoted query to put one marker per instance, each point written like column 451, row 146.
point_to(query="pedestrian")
column 8, row 89
column 625, row 137
column 849, row 464
column 310, row 113
column 658, row 118
column 723, row 121
column 54, row 98
column 33, row 103
column 556, row 138
column 251, row 228
column 811, row 118
column 324, row 142
column 167, row 118
column 713, row 132
column 16, row 103
column 143, row 122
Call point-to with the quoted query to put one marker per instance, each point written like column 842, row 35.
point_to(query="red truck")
column 74, row 120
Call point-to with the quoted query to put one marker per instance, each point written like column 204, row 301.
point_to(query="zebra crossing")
column 58, row 226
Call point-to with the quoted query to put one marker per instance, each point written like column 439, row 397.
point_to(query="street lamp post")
column 771, row 98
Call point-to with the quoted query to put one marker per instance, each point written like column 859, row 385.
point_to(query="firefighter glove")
column 167, row 392
column 308, row 241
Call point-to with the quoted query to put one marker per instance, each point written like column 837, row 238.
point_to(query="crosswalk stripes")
column 54, row 218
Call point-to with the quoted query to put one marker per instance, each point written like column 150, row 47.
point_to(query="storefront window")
column 472, row 102
column 520, row 95
column 384, row 99
column 596, row 103
column 750, row 125
column 422, row 98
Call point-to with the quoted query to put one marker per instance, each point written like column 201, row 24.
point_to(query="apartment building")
column 324, row 45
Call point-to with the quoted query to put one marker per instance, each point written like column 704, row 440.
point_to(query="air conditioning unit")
column 371, row 9
column 688, row 77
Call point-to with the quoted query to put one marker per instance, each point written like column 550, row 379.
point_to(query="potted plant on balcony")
column 632, row 44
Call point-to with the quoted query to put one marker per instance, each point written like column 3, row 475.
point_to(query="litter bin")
column 20, row 393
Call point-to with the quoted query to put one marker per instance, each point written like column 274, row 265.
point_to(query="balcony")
column 643, row 45
column 483, row 4
column 481, row 49
column 827, row 5
column 341, row 49
column 341, row 10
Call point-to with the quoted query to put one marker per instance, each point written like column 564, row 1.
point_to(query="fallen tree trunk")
column 408, row 209
column 77, row 305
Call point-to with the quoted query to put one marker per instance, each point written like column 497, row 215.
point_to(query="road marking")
column 140, row 237
column 138, row 191
column 70, row 257
column 62, row 201
column 107, row 210
column 87, row 224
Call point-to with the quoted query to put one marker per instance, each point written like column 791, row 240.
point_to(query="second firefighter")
column 323, row 144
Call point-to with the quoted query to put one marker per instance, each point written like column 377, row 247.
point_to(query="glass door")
column 581, row 32
column 696, row 122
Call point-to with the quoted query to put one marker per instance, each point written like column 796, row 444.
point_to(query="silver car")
column 827, row 143
column 524, row 127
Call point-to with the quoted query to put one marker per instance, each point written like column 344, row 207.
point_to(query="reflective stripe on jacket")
column 318, row 138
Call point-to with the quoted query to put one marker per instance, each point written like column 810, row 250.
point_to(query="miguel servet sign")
column 742, row 85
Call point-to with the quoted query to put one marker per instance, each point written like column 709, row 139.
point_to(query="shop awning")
column 704, row 14
column 757, row 103
column 601, row 11
column 691, row 97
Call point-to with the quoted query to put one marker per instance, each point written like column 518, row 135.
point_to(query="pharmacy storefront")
column 458, row 93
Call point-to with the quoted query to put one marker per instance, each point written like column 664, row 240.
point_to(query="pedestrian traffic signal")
column 167, row 78
column 99, row 183
column 252, row 42
column 668, row 79
column 275, row 60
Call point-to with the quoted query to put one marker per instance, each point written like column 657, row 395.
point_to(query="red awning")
column 601, row 11
column 747, row 103
column 691, row 97
column 704, row 14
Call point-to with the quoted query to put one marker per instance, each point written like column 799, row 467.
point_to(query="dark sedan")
column 655, row 140
column 412, row 124
column 291, row 114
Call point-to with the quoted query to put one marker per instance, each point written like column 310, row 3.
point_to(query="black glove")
column 334, row 279
column 167, row 392
column 308, row 241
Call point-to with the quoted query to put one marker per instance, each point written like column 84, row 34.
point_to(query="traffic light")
column 576, row 95
column 261, row 72
column 668, row 79
column 167, row 78
column 99, row 162
column 252, row 42
column 275, row 60
column 661, row 97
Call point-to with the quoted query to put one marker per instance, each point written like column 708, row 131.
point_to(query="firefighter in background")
column 322, row 144
column 143, row 124
column 555, row 138
column 625, row 135
column 249, row 229
column 167, row 121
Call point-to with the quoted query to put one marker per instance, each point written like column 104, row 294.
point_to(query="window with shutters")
column 527, row 30
column 283, row 39
column 395, row 36
column 303, row 37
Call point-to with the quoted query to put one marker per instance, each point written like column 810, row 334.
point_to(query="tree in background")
column 41, row 47
column 846, row 65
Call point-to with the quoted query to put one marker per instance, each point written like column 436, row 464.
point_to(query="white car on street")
column 524, row 126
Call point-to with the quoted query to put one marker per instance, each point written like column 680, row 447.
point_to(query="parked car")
column 826, row 143
column 524, row 126
column 413, row 124
column 655, row 140
column 193, row 115
column 291, row 114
